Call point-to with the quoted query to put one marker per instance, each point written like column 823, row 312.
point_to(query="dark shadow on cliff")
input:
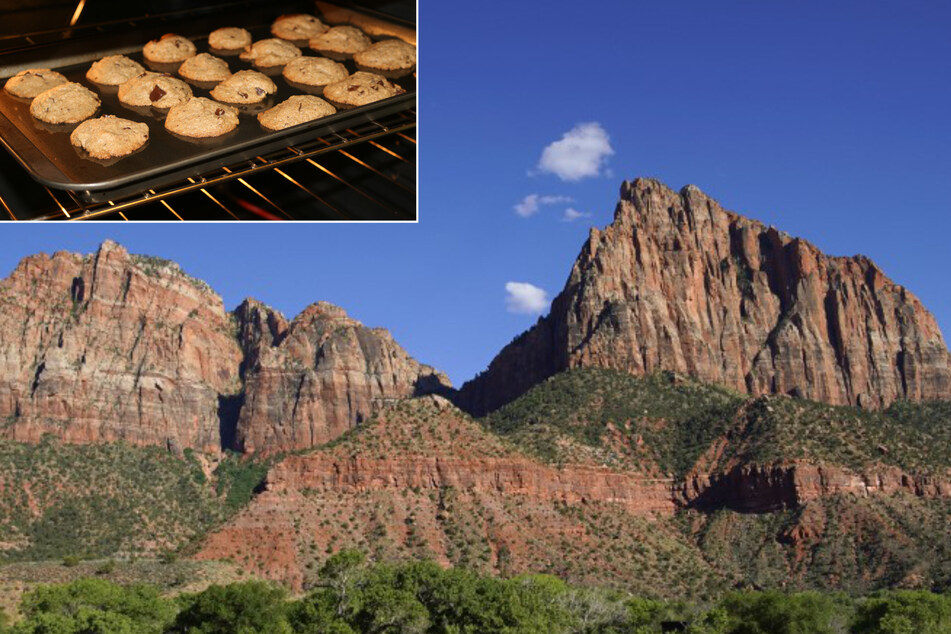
column 229, row 409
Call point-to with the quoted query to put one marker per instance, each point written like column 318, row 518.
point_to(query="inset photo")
column 208, row 111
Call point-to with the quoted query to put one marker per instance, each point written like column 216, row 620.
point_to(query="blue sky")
column 831, row 121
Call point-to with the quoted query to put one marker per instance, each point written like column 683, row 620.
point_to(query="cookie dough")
column 109, row 137
column 246, row 86
column 66, row 103
column 270, row 52
column 114, row 70
column 360, row 89
column 201, row 118
column 169, row 48
column 387, row 55
column 314, row 71
column 229, row 38
column 154, row 89
column 297, row 26
column 205, row 67
column 342, row 40
column 32, row 81
column 294, row 111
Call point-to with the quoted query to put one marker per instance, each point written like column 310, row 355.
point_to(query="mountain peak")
column 678, row 283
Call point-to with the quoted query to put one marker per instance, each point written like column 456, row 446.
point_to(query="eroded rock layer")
column 320, row 376
column 678, row 283
column 111, row 347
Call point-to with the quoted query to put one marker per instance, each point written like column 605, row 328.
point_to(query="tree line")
column 356, row 597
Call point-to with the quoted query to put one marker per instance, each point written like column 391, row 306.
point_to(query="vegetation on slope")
column 659, row 421
column 61, row 500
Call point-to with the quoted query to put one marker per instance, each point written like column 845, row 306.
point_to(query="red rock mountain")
column 114, row 346
column 678, row 283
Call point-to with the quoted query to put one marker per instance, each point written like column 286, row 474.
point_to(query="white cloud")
column 532, row 204
column 581, row 153
column 572, row 214
column 525, row 298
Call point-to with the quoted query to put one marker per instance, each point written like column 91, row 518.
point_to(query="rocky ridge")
column 678, row 283
column 118, row 347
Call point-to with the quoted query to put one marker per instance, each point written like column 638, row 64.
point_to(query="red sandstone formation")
column 111, row 347
column 323, row 374
column 678, row 283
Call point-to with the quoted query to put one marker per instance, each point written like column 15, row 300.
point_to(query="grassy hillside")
column 59, row 500
column 660, row 422
column 668, row 421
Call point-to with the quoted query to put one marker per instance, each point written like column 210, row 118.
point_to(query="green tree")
column 778, row 613
column 251, row 607
column 82, row 606
column 904, row 612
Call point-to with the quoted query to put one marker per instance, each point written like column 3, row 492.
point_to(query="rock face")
column 678, row 283
column 113, row 347
column 312, row 380
column 765, row 488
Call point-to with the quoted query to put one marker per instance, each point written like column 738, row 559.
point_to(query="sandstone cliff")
column 321, row 375
column 678, row 283
column 113, row 347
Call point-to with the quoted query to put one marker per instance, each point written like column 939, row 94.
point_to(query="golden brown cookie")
column 245, row 86
column 229, row 38
column 205, row 67
column 297, row 26
column 294, row 111
column 270, row 52
column 390, row 54
column 360, row 89
column 169, row 48
column 113, row 70
column 66, row 103
column 32, row 81
column 109, row 137
column 340, row 40
column 314, row 71
column 201, row 118
column 154, row 89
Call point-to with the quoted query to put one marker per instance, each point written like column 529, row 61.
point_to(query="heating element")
column 364, row 172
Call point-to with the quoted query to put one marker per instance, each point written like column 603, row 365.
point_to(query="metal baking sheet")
column 45, row 152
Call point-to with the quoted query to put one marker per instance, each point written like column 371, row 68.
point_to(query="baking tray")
column 45, row 152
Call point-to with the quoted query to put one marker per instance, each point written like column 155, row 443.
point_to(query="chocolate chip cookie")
column 154, row 89
column 65, row 103
column 297, row 26
column 314, row 71
column 360, row 89
column 109, row 137
column 270, row 52
column 245, row 86
column 201, row 118
column 229, row 38
column 294, row 111
column 114, row 70
column 390, row 55
column 169, row 48
column 32, row 81
column 205, row 67
column 340, row 42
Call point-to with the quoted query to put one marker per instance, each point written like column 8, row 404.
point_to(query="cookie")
column 205, row 67
column 271, row 52
column 229, row 38
column 154, row 89
column 245, row 86
column 66, row 103
column 387, row 55
column 109, row 137
column 294, row 111
column 169, row 48
column 297, row 26
column 201, row 118
column 113, row 70
column 32, row 81
column 360, row 89
column 314, row 71
column 340, row 40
